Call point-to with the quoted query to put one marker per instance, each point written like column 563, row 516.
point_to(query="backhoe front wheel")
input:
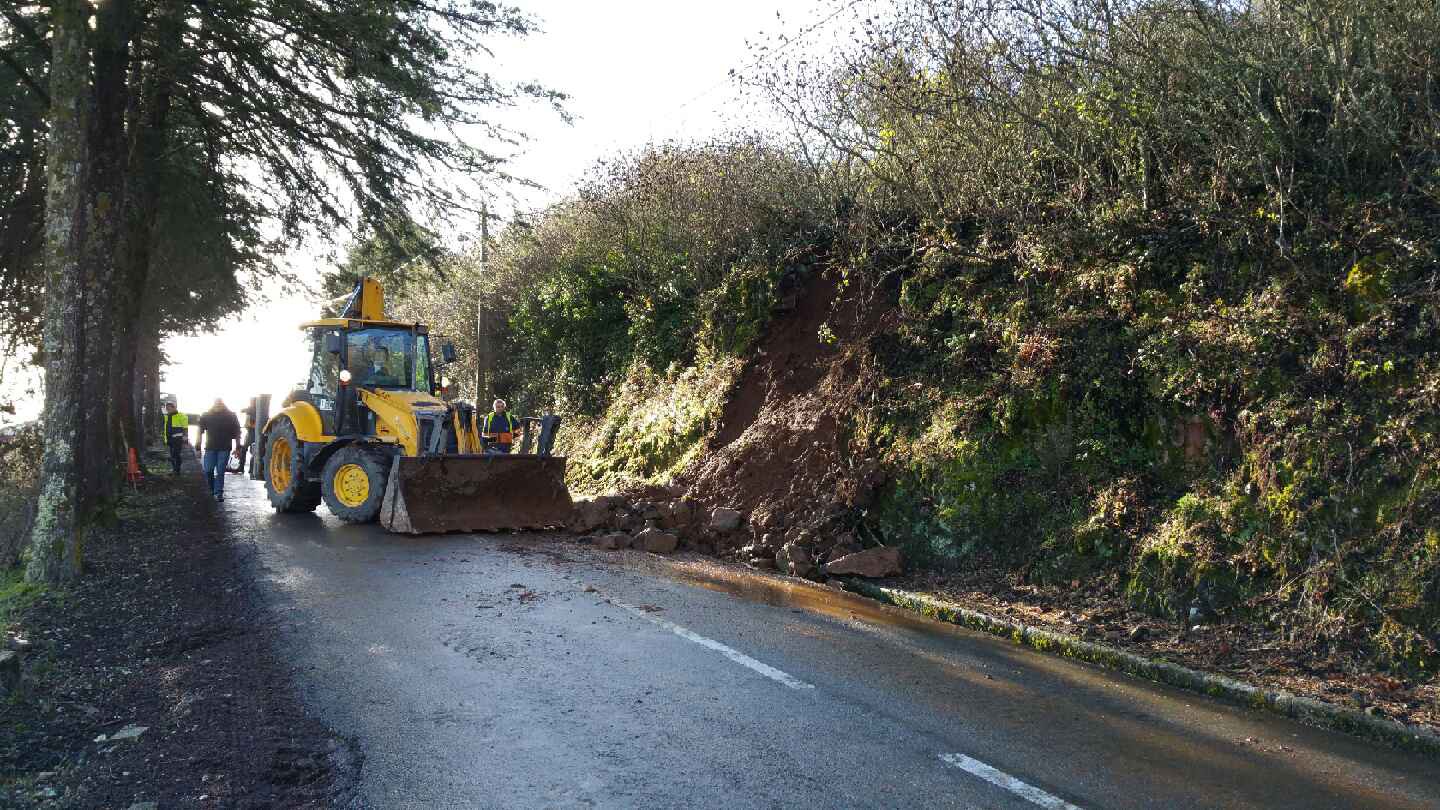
column 285, row 482
column 354, row 484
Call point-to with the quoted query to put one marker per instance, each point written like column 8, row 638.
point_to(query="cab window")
column 380, row 358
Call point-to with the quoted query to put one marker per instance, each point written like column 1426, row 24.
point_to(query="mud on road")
column 165, row 633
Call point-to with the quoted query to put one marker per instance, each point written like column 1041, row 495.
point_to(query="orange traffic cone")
column 132, row 469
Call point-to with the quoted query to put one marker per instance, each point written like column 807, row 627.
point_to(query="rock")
column 131, row 732
column 1139, row 633
column 844, row 547
column 763, row 563
column 626, row 520
column 796, row 561
column 804, row 537
column 588, row 516
column 772, row 541
column 767, row 518
column 612, row 502
column 613, row 541
column 873, row 563
column 634, row 521
column 837, row 584
column 676, row 514
column 9, row 671
column 656, row 541
column 725, row 520
column 19, row 645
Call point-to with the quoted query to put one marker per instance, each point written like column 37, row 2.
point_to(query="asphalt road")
column 531, row 671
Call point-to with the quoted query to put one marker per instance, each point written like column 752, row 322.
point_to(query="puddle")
column 772, row 590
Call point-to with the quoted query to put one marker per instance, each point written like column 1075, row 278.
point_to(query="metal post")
column 256, row 461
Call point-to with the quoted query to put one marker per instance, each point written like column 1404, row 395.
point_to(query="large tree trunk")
column 148, row 115
column 56, row 539
column 107, row 171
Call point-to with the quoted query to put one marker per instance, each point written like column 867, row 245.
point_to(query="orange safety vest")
column 503, row 436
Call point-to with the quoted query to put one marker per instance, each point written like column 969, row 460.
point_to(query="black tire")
column 353, row 484
column 284, row 472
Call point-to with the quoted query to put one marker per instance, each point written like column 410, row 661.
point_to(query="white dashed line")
column 709, row 643
column 1024, row 790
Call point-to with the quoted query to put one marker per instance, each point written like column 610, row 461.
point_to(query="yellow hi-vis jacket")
column 506, row 424
column 177, row 426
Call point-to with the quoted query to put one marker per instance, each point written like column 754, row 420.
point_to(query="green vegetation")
column 1164, row 285
column 15, row 595
column 1176, row 319
column 652, row 428
column 19, row 474
column 625, row 308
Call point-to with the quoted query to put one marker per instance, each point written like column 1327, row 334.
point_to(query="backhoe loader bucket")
column 475, row 493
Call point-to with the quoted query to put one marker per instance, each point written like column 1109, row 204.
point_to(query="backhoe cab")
column 371, row 436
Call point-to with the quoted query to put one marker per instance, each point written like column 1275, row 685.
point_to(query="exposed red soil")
column 779, row 451
column 166, row 632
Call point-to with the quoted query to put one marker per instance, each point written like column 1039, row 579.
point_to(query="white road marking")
column 709, row 643
column 999, row 778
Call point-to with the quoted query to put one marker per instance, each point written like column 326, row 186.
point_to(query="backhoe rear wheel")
column 354, row 484
column 285, row 472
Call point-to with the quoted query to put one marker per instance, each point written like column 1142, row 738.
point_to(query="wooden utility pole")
column 483, row 359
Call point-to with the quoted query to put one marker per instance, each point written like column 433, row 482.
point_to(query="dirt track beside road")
column 165, row 633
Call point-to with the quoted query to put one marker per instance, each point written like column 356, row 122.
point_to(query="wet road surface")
column 530, row 671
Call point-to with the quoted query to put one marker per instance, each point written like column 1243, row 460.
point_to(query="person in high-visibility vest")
column 499, row 428
column 177, row 433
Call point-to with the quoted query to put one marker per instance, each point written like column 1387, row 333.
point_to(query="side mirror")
column 447, row 352
column 333, row 343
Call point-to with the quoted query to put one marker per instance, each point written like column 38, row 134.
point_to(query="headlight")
column 345, row 376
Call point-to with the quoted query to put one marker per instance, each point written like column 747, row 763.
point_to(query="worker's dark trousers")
column 176, row 447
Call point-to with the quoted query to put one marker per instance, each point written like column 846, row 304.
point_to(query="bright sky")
column 638, row 71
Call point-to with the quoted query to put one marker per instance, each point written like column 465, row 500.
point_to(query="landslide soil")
column 165, row 631
column 780, row 452
column 779, row 448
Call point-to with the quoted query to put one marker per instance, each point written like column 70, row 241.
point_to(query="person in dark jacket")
column 220, row 434
column 177, row 434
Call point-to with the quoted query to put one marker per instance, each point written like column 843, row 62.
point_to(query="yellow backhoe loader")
column 370, row 435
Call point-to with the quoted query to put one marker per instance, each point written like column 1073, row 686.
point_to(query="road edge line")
column 755, row 665
column 1004, row 781
column 1306, row 710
